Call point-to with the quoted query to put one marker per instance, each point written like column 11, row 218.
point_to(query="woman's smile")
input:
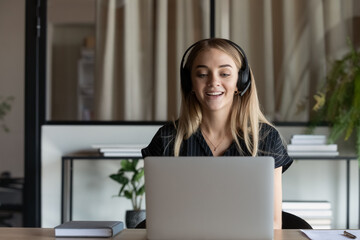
column 214, row 95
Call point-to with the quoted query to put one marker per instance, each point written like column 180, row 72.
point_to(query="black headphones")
column 244, row 76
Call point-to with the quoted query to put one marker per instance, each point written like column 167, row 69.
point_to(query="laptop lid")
column 209, row 197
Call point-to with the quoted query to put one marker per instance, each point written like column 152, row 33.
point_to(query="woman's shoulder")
column 168, row 129
column 267, row 126
column 268, row 130
column 161, row 144
column 272, row 144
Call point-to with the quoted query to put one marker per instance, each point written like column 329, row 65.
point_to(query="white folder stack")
column 120, row 150
column 307, row 145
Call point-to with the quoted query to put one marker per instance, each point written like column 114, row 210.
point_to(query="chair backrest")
column 291, row 221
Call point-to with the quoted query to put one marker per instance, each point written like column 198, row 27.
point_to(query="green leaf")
column 121, row 190
column 140, row 191
column 358, row 144
column 138, row 176
column 356, row 99
column 350, row 125
column 126, row 165
column 336, row 131
column 5, row 107
column 120, row 178
column 128, row 194
column 134, row 164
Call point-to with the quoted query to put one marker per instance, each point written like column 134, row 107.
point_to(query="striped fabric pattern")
column 270, row 144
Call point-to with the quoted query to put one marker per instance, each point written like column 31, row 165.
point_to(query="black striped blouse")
column 270, row 144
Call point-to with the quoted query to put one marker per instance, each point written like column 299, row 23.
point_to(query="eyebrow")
column 221, row 66
column 225, row 65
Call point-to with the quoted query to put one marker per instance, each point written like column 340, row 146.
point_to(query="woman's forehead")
column 213, row 56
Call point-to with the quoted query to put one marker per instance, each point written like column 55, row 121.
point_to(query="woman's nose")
column 213, row 80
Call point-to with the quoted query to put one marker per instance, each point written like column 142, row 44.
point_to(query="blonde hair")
column 246, row 114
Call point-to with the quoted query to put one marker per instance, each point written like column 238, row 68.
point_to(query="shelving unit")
column 67, row 180
column 347, row 159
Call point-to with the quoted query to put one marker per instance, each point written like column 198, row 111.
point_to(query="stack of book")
column 120, row 150
column 304, row 145
column 317, row 213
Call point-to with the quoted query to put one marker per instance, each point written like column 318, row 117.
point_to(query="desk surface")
column 128, row 234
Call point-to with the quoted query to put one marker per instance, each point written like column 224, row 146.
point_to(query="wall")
column 93, row 190
column 12, row 48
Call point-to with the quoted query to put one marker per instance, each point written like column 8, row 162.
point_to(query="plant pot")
column 134, row 217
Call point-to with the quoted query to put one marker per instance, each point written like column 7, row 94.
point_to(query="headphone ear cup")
column 244, row 80
column 244, row 77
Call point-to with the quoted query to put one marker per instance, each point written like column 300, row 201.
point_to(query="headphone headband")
column 244, row 76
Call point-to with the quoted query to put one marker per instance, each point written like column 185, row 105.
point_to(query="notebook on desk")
column 209, row 197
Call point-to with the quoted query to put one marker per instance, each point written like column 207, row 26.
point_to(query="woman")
column 220, row 113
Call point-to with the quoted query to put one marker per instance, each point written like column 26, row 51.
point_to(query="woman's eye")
column 224, row 74
column 202, row 75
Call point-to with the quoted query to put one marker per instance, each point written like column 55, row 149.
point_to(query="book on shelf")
column 308, row 136
column 300, row 147
column 120, row 150
column 308, row 139
column 122, row 154
column 306, row 205
column 130, row 150
column 89, row 229
column 313, row 153
column 118, row 146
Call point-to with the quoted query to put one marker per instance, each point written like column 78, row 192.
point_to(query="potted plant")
column 338, row 102
column 131, row 180
column 5, row 107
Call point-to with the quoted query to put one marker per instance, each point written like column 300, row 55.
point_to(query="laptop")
column 209, row 197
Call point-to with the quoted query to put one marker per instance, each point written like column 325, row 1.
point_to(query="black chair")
column 291, row 221
column 13, row 186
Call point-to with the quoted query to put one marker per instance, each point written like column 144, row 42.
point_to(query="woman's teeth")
column 214, row 93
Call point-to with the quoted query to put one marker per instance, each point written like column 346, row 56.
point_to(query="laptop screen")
column 209, row 197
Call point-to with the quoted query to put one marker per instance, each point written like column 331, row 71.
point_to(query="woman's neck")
column 216, row 131
column 215, row 125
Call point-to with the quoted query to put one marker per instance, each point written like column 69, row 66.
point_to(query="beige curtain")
column 289, row 44
column 138, row 52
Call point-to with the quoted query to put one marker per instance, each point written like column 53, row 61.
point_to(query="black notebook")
column 89, row 229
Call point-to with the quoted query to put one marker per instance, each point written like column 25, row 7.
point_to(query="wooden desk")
column 127, row 234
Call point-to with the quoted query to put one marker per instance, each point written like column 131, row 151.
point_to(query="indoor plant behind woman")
column 131, row 179
column 338, row 102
